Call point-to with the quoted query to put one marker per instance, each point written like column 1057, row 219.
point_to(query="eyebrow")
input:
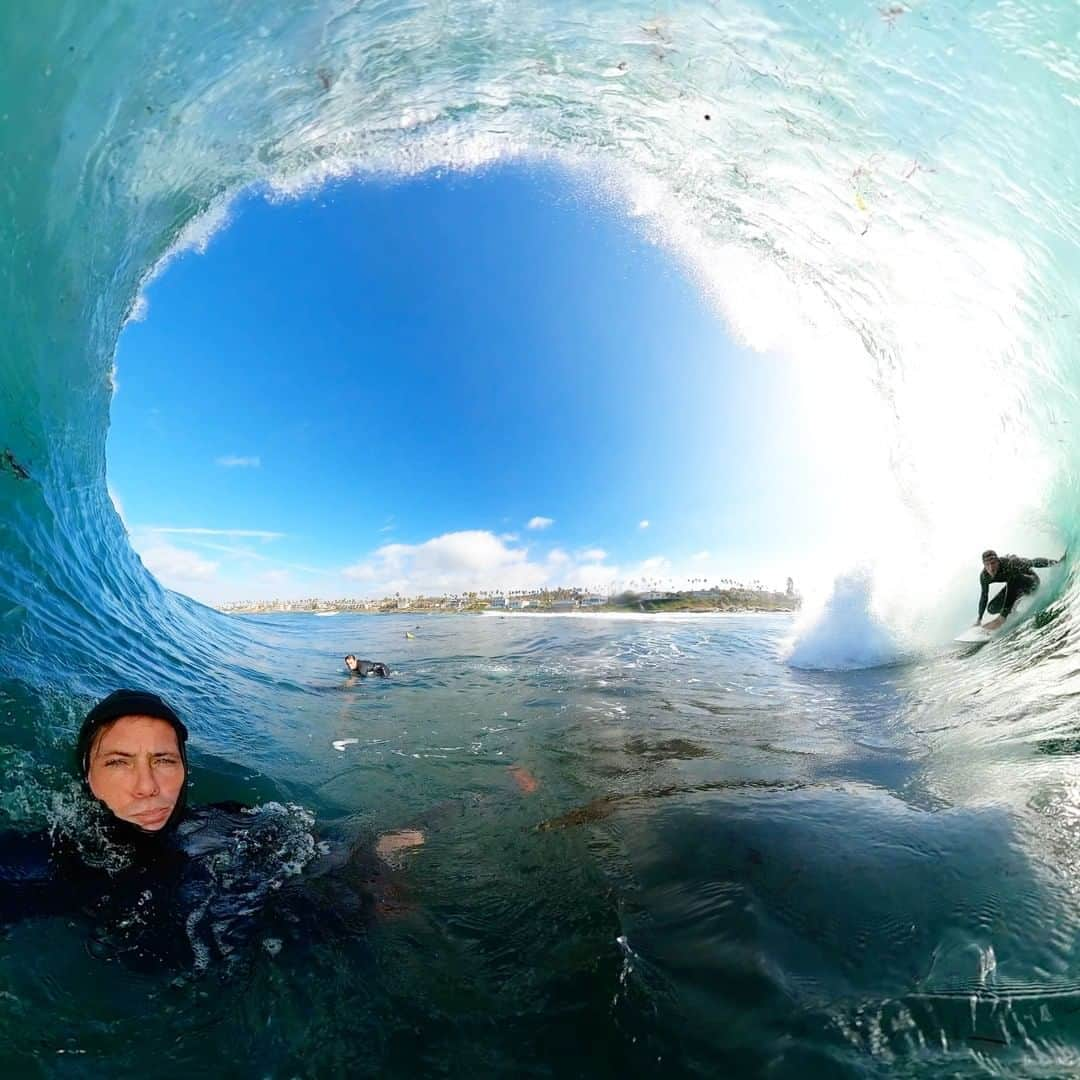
column 128, row 754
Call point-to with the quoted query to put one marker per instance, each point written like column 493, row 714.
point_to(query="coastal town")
column 729, row 596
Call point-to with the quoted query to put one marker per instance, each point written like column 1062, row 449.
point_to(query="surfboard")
column 979, row 635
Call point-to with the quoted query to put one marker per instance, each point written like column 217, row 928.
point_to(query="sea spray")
column 847, row 632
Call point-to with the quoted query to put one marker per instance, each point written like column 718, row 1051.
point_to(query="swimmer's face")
column 991, row 566
column 136, row 770
column 351, row 662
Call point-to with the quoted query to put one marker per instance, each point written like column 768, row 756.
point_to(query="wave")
column 881, row 192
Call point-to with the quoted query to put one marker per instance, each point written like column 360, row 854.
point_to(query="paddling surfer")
column 364, row 668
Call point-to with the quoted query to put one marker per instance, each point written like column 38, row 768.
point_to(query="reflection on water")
column 651, row 830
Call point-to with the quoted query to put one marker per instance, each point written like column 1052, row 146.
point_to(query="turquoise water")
column 771, row 870
column 727, row 864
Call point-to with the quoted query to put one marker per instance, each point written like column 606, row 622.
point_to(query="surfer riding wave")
column 1019, row 578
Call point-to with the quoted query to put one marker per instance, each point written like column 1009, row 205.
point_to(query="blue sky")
column 490, row 380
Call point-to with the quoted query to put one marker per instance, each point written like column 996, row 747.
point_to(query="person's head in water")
column 132, row 755
column 351, row 662
column 990, row 561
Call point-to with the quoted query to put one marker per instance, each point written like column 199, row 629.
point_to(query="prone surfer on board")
column 364, row 668
column 1019, row 578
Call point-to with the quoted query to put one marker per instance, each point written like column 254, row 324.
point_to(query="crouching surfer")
column 364, row 668
column 1018, row 576
column 163, row 883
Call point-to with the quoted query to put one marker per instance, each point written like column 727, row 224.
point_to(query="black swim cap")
column 118, row 704
column 989, row 553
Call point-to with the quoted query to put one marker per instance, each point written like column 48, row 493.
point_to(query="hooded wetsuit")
column 1019, row 579
column 137, row 889
column 364, row 668
column 208, row 881
column 203, row 892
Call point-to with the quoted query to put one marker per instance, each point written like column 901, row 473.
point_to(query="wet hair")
column 116, row 706
column 351, row 656
column 989, row 553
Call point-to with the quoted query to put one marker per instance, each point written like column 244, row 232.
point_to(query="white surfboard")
column 979, row 634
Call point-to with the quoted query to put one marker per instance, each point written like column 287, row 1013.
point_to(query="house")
column 497, row 603
column 593, row 601
column 563, row 605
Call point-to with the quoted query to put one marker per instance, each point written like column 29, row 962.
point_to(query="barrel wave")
column 884, row 191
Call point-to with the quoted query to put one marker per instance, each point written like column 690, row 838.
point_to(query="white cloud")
column 139, row 310
column 118, row 506
column 658, row 564
column 274, row 577
column 458, row 561
column 361, row 571
column 478, row 560
column 540, row 523
column 257, row 534
column 233, row 571
column 244, row 554
column 177, row 567
column 508, row 537
column 231, row 461
column 471, row 560
column 643, row 524
column 700, row 556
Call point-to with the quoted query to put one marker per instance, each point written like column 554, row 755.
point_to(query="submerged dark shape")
column 606, row 805
column 665, row 749
column 9, row 461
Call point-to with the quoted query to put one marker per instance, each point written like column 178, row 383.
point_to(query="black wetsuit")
column 220, row 878
column 364, row 668
column 1019, row 578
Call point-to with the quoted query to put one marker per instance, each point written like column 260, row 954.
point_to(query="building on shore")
column 729, row 596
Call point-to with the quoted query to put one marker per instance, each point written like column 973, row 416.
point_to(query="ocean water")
column 652, row 844
column 844, row 848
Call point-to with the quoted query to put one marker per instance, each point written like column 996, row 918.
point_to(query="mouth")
column 149, row 818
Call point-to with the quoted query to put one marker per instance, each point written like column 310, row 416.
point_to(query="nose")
column 145, row 782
